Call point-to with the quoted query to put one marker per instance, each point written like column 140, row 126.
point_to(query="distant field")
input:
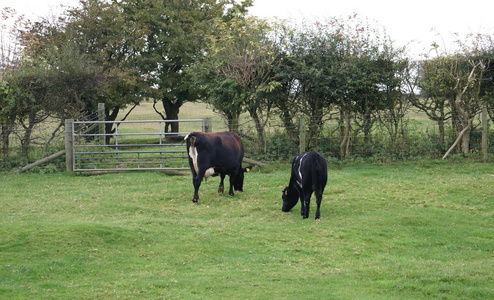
column 418, row 121
column 396, row 231
column 190, row 110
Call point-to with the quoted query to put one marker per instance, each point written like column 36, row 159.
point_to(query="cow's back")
column 309, row 168
column 218, row 149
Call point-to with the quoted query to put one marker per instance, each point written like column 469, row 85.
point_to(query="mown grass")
column 396, row 231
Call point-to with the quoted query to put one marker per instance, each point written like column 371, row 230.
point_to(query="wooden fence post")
column 207, row 125
column 101, row 126
column 301, row 142
column 69, row 158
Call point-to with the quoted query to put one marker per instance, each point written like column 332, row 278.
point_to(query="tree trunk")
column 233, row 121
column 465, row 123
column 172, row 110
column 287, row 118
column 261, row 135
column 367, row 127
column 26, row 139
column 440, row 125
column 465, row 141
column 460, row 135
column 110, row 116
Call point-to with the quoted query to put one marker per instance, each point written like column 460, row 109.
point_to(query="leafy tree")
column 436, row 92
column 306, row 75
column 397, row 95
column 239, row 60
column 10, row 23
column 8, row 116
column 341, row 64
column 101, row 31
column 174, row 32
column 30, row 93
column 285, row 96
column 455, row 83
column 75, row 81
column 485, row 44
column 25, row 88
column 316, row 59
column 368, row 83
column 466, row 103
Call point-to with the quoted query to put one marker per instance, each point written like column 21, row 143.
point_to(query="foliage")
column 337, row 65
column 455, row 85
column 236, row 68
column 383, row 234
column 32, row 103
column 174, row 33
column 102, row 32
column 7, row 116
column 172, row 52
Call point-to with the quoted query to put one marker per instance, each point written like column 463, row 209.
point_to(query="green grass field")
column 395, row 231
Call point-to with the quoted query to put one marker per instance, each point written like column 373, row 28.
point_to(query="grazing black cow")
column 216, row 153
column 309, row 174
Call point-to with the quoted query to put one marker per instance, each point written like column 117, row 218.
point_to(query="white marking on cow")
column 193, row 155
column 299, row 172
column 209, row 172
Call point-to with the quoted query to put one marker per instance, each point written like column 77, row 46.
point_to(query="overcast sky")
column 417, row 22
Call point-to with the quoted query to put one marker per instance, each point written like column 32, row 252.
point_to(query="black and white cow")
column 309, row 174
column 216, row 153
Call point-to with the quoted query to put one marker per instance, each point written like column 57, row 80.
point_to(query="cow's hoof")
column 194, row 201
column 318, row 218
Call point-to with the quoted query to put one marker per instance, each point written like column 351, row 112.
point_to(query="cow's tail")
column 176, row 138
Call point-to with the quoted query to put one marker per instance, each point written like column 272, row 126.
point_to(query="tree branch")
column 456, row 142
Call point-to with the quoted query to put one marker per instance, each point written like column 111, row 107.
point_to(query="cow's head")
column 238, row 184
column 290, row 198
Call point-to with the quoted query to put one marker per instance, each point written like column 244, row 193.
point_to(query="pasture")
column 395, row 231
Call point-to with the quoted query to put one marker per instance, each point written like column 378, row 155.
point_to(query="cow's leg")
column 306, row 201
column 300, row 192
column 232, row 183
column 318, row 193
column 302, row 205
column 221, row 187
column 196, row 180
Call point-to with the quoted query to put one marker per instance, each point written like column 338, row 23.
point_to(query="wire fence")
column 379, row 137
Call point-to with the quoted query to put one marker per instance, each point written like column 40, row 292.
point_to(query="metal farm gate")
column 135, row 145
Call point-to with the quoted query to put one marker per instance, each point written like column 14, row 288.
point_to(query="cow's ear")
column 247, row 169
